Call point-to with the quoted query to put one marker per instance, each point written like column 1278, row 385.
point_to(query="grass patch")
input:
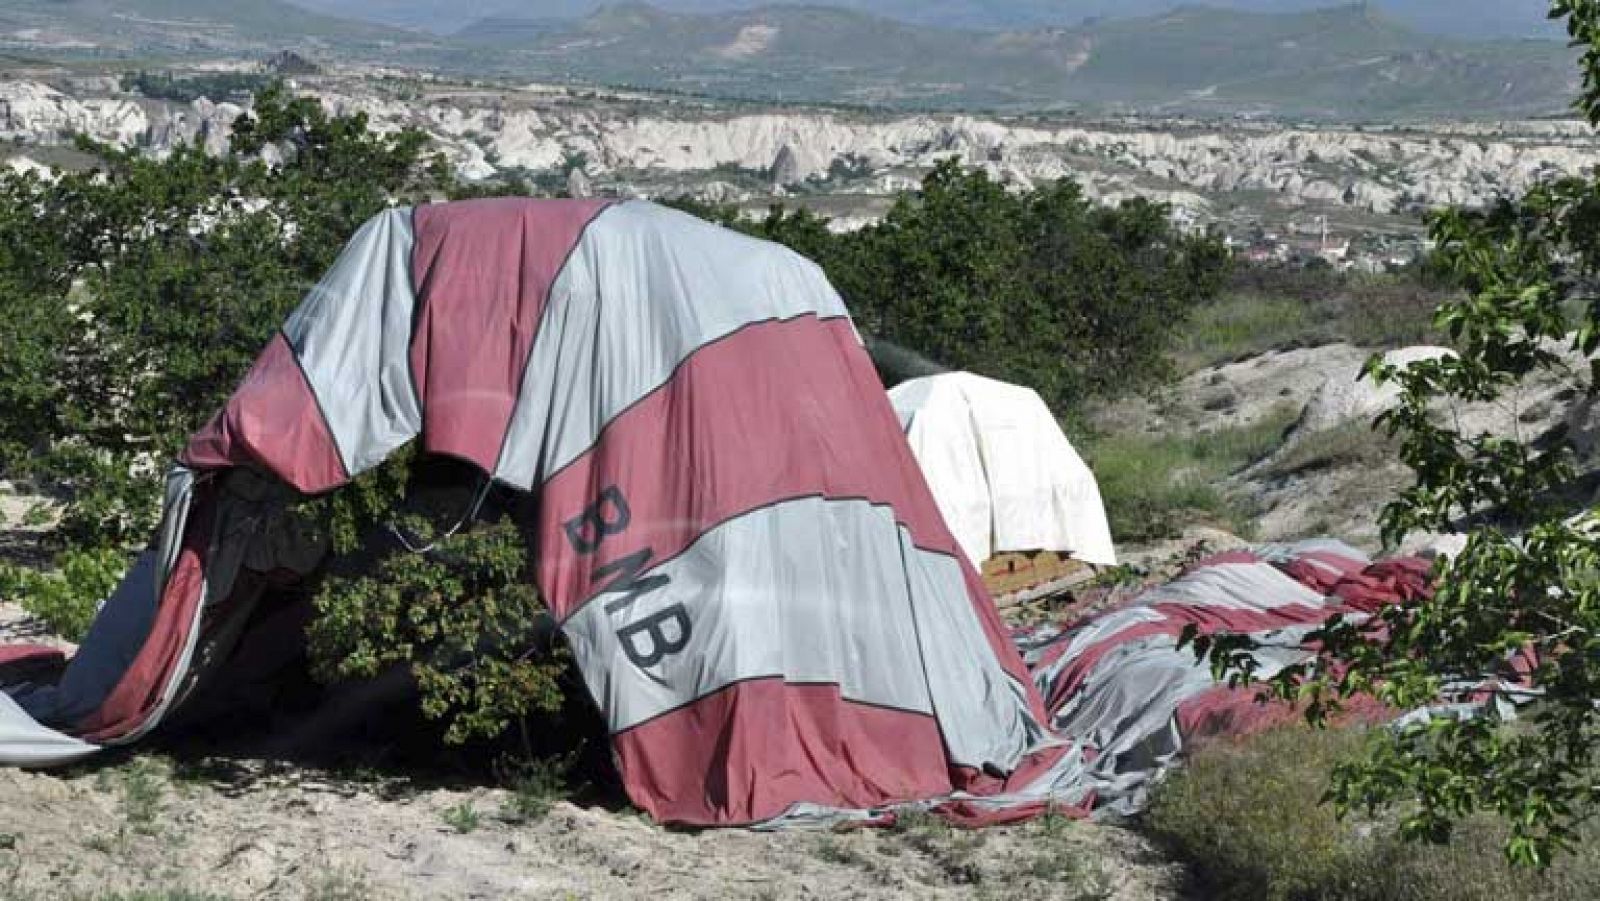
column 536, row 784
column 1245, row 818
column 463, row 818
column 1272, row 308
column 1241, row 325
column 1352, row 444
column 1153, row 486
column 141, row 785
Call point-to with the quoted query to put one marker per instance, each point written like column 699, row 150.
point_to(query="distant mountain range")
column 1456, row 18
column 1342, row 62
column 1347, row 62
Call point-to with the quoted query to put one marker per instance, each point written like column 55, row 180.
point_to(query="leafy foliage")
column 66, row 600
column 1526, row 588
column 135, row 294
column 210, row 85
column 1041, row 287
column 460, row 617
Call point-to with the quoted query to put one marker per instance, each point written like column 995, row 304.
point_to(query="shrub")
column 65, row 600
column 536, row 784
column 463, row 818
column 1041, row 287
column 1248, row 821
column 452, row 601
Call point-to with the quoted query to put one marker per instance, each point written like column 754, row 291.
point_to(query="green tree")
column 1038, row 286
column 135, row 293
column 1528, row 580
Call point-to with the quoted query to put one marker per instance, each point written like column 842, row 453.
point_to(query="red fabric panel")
column 31, row 664
column 776, row 411
column 272, row 421
column 1229, row 711
column 482, row 271
column 1175, row 617
column 128, row 705
column 1383, row 584
column 744, row 754
column 18, row 653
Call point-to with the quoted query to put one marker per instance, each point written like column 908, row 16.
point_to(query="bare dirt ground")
column 248, row 830
column 157, row 828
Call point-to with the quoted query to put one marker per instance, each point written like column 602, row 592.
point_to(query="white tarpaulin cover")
column 1002, row 472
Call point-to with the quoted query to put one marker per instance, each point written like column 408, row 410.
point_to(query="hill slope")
column 1341, row 62
column 1458, row 18
column 1338, row 63
column 187, row 27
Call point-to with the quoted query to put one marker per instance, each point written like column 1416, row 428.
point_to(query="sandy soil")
column 247, row 830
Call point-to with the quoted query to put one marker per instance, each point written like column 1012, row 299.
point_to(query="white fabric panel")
column 1002, row 472
column 643, row 290
column 174, row 519
column 352, row 336
column 24, row 742
column 755, row 588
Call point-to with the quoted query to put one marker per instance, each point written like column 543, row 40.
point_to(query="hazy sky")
column 1472, row 18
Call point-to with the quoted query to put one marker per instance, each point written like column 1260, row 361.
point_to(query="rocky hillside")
column 649, row 144
column 1325, row 471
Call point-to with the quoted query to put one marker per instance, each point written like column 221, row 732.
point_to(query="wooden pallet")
column 1013, row 577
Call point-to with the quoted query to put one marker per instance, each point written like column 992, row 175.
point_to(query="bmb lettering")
column 649, row 640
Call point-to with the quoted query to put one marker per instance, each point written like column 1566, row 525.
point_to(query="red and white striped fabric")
column 740, row 549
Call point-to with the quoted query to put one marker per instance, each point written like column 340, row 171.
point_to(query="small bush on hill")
column 216, row 86
column 1247, row 819
column 134, row 296
column 424, row 577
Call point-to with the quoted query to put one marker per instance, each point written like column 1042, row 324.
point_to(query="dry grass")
column 1245, row 818
column 1153, row 486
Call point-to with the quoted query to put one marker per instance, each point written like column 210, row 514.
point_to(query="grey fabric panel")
column 1131, row 695
column 754, row 590
column 174, row 519
column 24, row 742
column 1079, row 641
column 352, row 334
column 1127, row 708
column 983, row 712
column 902, row 632
column 643, row 290
column 1235, row 586
column 1295, row 550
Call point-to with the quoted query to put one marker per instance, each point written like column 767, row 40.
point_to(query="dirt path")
column 247, row 831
